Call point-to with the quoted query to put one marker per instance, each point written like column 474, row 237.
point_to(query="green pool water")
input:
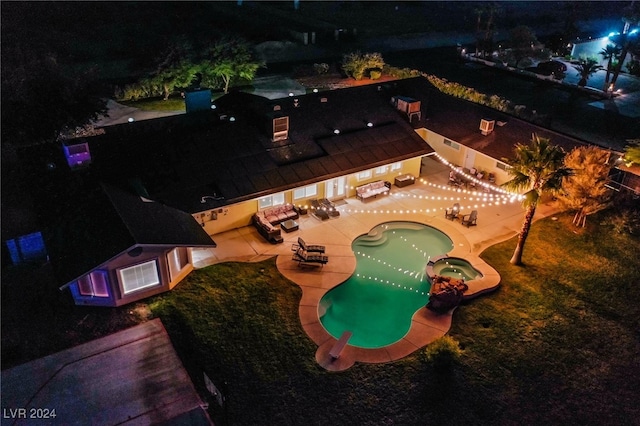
column 388, row 286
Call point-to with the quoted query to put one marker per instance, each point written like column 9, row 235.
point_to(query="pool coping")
column 426, row 325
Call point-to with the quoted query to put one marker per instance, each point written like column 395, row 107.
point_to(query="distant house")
column 124, row 209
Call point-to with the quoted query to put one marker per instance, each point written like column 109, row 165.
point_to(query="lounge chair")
column 319, row 210
column 310, row 248
column 330, row 208
column 305, row 258
column 452, row 212
column 470, row 219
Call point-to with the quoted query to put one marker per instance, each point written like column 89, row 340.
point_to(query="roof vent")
column 486, row 126
column 280, row 129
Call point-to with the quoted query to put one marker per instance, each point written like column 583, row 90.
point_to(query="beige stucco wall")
column 459, row 156
column 239, row 215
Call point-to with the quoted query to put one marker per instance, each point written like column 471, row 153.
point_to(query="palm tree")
column 609, row 53
column 586, row 68
column 631, row 16
column 538, row 169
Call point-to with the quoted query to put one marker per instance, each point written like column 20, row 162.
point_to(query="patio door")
column 335, row 188
column 470, row 159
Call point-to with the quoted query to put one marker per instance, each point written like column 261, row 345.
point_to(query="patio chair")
column 319, row 210
column 310, row 248
column 470, row 219
column 452, row 212
column 330, row 208
column 305, row 258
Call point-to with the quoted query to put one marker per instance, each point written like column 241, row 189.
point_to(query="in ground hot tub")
column 453, row 267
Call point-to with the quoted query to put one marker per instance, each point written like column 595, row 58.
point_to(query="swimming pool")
column 388, row 285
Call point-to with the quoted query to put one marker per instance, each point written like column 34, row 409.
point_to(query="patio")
column 424, row 202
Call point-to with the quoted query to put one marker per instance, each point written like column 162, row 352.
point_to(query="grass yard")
column 558, row 343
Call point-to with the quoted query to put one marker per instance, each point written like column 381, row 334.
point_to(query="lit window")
column 178, row 259
column 94, row 284
column 381, row 170
column 452, row 144
column 364, row 175
column 396, row 166
column 271, row 200
column 501, row 166
column 307, row 191
column 139, row 276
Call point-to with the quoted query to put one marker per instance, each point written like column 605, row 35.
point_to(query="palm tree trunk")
column 516, row 259
column 606, row 77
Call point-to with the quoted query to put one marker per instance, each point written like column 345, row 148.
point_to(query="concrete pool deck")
column 495, row 223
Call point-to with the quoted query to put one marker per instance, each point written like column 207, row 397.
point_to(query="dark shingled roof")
column 228, row 152
column 459, row 121
column 104, row 221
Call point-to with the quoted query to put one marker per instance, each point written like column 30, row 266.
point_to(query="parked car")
column 551, row 67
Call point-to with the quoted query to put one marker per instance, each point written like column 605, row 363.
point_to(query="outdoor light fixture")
column 232, row 118
column 336, row 131
column 290, row 93
column 213, row 106
column 369, row 124
column 315, row 90
column 131, row 120
column 214, row 197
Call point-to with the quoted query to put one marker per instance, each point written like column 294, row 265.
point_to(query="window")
column 396, row 166
column 138, row 277
column 27, row 248
column 452, row 144
column 381, row 170
column 271, row 200
column 178, row 259
column 307, row 191
column 94, row 284
column 364, row 175
column 501, row 166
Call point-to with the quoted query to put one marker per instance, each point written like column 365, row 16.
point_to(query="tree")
column 631, row 16
column 523, row 43
column 484, row 31
column 227, row 60
column 586, row 67
column 174, row 69
column 632, row 153
column 357, row 65
column 609, row 53
column 584, row 191
column 537, row 169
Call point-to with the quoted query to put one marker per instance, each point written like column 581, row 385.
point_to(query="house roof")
column 229, row 153
column 130, row 377
column 99, row 222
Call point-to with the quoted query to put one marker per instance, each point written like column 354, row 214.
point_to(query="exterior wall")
column 239, row 215
column 228, row 217
column 116, row 292
column 459, row 156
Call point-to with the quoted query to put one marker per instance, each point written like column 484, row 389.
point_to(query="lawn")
column 557, row 344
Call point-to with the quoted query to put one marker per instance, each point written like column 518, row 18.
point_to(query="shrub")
column 443, row 352
column 375, row 74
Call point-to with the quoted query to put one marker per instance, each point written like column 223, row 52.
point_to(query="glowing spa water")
column 456, row 268
column 388, row 286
